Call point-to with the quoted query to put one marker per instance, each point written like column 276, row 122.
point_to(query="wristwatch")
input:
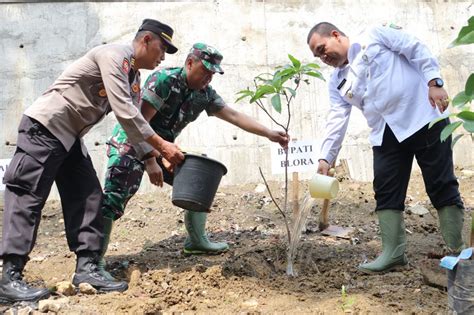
column 438, row 82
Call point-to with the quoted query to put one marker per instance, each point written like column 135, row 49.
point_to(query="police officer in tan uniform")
column 50, row 149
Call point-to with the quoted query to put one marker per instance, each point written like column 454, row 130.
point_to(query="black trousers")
column 393, row 163
column 39, row 160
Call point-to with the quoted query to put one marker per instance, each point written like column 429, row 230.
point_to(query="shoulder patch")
column 135, row 88
column 125, row 66
column 392, row 25
column 395, row 26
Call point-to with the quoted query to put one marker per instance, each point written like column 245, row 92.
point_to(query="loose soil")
column 146, row 250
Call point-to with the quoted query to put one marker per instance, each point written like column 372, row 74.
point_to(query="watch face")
column 439, row 82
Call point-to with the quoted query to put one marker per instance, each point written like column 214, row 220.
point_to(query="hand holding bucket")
column 322, row 186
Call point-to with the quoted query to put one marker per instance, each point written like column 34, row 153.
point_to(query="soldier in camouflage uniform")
column 171, row 99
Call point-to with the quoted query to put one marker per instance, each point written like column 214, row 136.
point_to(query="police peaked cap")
column 162, row 30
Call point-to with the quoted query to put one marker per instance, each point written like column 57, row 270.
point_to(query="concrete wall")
column 38, row 40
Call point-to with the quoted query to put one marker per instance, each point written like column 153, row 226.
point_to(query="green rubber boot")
column 451, row 219
column 197, row 242
column 392, row 230
column 108, row 223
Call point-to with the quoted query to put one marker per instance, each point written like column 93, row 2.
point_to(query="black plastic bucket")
column 196, row 181
column 461, row 288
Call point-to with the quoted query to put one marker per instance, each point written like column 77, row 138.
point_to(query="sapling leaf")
column 315, row 74
column 461, row 98
column 296, row 63
column 449, row 129
column 312, row 65
column 465, row 36
column 469, row 88
column 292, row 91
column 455, row 139
column 435, row 121
column 285, row 74
column 466, row 115
column 469, row 126
column 276, row 102
column 277, row 83
column 261, row 92
column 241, row 98
column 264, row 78
column 244, row 94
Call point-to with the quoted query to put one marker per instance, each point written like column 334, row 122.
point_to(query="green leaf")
column 292, row 91
column 244, row 94
column 262, row 91
column 285, row 74
column 455, row 139
column 241, row 98
column 469, row 88
column 264, row 78
column 276, row 102
column 312, row 65
column 460, row 99
column 315, row 74
column 469, row 126
column 466, row 115
column 262, row 75
column 296, row 63
column 435, row 121
column 465, row 36
column 277, row 83
column 449, row 129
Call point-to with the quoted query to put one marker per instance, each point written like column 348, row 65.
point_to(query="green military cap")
column 211, row 58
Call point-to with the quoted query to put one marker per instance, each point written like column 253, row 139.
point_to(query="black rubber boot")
column 87, row 271
column 13, row 288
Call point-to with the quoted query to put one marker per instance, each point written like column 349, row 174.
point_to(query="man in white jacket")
column 395, row 81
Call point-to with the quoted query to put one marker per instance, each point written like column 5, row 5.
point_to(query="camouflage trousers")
column 122, row 180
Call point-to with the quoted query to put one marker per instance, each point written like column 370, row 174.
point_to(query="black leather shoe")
column 87, row 271
column 13, row 288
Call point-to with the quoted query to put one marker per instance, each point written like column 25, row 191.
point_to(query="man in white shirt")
column 395, row 81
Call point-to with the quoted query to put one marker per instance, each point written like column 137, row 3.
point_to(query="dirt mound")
column 146, row 250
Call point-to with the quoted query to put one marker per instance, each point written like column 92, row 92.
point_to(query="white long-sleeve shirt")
column 386, row 78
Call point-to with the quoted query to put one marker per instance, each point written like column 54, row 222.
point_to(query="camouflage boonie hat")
column 211, row 58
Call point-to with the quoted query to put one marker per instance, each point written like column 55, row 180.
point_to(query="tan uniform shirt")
column 101, row 81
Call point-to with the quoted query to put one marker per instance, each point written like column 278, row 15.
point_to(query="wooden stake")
column 324, row 216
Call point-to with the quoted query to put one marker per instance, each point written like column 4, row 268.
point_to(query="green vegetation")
column 463, row 100
column 346, row 300
column 281, row 88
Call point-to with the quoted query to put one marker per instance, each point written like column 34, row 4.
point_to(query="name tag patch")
column 125, row 66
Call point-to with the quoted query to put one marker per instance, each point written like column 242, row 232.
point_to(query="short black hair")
column 323, row 29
